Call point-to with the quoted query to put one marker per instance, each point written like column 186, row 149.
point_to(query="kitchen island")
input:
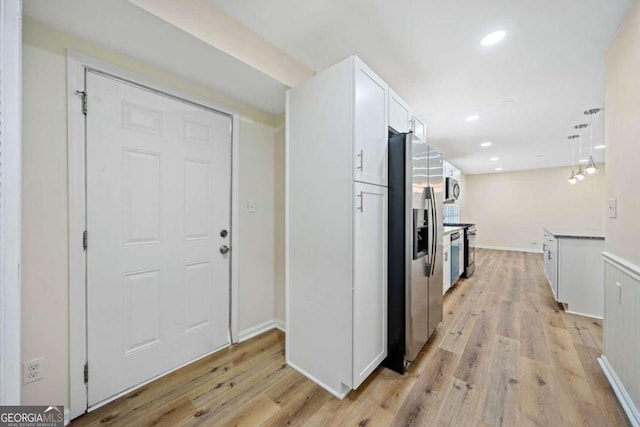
column 574, row 268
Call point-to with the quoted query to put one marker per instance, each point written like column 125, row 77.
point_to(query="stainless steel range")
column 469, row 247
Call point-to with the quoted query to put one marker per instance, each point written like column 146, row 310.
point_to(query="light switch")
column 619, row 295
column 613, row 208
column 251, row 206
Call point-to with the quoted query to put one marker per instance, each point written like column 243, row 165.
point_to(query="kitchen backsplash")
column 451, row 213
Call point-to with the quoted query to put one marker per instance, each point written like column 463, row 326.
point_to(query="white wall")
column 279, row 187
column 511, row 208
column 622, row 109
column 257, row 269
column 44, row 253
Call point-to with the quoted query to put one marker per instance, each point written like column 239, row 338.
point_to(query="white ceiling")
column 550, row 67
column 125, row 28
column 530, row 90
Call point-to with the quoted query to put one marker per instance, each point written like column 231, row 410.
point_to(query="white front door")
column 158, row 198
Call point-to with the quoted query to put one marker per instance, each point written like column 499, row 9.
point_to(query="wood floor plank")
column 509, row 321
column 536, row 404
column 601, row 388
column 533, row 343
column 459, row 406
column 427, row 394
column 505, row 354
column 475, row 358
column 456, row 337
column 502, row 383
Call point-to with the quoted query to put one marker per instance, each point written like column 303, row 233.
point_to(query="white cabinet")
column 550, row 248
column 336, row 229
column 622, row 331
column 450, row 171
column 419, row 129
column 574, row 269
column 370, row 126
column 446, row 263
column 403, row 119
column 399, row 113
column 370, row 280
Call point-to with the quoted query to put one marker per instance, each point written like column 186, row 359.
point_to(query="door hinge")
column 85, row 240
column 86, row 373
column 83, row 94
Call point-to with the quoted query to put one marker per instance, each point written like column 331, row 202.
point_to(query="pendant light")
column 573, row 178
column 581, row 174
column 591, row 168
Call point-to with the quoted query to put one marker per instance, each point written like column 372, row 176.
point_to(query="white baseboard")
column 506, row 248
column 261, row 328
column 339, row 394
column 280, row 325
column 624, row 398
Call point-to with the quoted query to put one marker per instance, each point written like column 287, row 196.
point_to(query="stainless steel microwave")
column 452, row 190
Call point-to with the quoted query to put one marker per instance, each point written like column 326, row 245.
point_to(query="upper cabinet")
column 403, row 119
column 418, row 128
column 450, row 171
column 399, row 113
column 370, row 126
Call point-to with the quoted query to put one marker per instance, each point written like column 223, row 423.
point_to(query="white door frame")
column 10, row 198
column 77, row 63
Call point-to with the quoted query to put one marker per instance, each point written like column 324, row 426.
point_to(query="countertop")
column 575, row 233
column 449, row 230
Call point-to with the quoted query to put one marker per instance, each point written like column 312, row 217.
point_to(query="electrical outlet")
column 33, row 370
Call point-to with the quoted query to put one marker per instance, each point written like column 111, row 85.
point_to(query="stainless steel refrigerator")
column 415, row 247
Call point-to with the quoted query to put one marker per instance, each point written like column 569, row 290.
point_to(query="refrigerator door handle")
column 434, row 233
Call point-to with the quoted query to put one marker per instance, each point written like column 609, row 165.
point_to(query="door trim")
column 77, row 63
column 10, row 200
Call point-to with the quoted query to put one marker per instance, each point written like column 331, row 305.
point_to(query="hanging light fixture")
column 591, row 168
column 581, row 174
column 573, row 178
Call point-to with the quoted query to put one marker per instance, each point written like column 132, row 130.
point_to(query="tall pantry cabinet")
column 336, row 232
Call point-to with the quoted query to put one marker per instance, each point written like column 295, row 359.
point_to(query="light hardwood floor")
column 505, row 354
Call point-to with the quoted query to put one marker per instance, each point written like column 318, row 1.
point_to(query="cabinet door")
column 446, row 263
column 370, row 127
column 418, row 128
column 552, row 255
column 370, row 280
column 399, row 116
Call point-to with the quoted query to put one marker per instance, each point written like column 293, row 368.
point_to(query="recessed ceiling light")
column 472, row 118
column 493, row 38
column 599, row 147
column 498, row 169
column 486, row 144
column 493, row 159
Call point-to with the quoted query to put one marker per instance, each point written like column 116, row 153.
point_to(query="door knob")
column 224, row 249
column 223, row 233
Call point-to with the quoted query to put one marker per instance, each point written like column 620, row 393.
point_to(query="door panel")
column 158, row 186
column 370, row 280
column 371, row 127
column 399, row 115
